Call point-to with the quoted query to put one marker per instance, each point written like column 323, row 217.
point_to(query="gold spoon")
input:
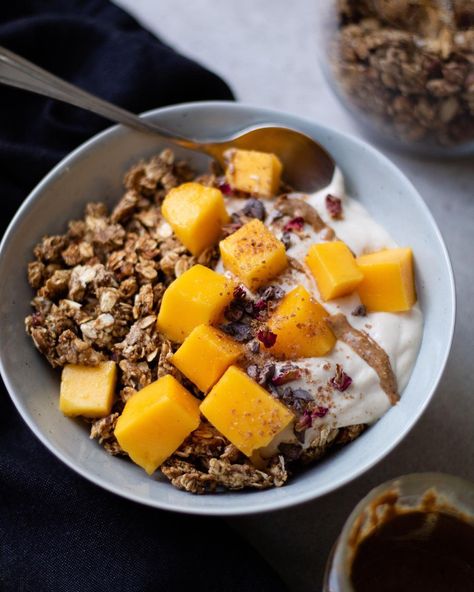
column 307, row 165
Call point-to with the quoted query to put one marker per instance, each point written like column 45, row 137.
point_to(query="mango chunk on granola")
column 205, row 355
column 196, row 214
column 298, row 322
column 253, row 254
column 197, row 297
column 334, row 268
column 388, row 284
column 253, row 172
column 87, row 390
column 155, row 421
column 244, row 412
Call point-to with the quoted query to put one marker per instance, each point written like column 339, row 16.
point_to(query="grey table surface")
column 266, row 50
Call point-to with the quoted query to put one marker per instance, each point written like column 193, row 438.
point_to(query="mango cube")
column 299, row 325
column 155, row 421
column 388, row 284
column 205, row 355
column 197, row 297
column 253, row 254
column 244, row 412
column 88, row 390
column 196, row 214
column 334, row 268
column 253, row 172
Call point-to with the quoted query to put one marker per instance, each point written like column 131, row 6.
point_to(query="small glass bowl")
column 404, row 69
column 451, row 495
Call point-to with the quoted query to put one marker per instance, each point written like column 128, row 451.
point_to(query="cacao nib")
column 290, row 451
column 254, row 346
column 359, row 311
column 294, row 224
column 300, row 393
column 233, row 312
column 266, row 373
column 340, row 381
column 252, row 371
column 254, row 208
column 286, row 374
column 286, row 240
column 267, row 337
column 334, row 206
column 272, row 293
column 239, row 331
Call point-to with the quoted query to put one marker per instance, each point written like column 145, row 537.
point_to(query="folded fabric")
column 58, row 532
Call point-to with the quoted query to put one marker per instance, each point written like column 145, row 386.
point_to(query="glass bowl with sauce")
column 414, row 533
column 404, row 69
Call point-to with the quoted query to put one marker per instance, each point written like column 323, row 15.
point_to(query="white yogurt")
column 399, row 334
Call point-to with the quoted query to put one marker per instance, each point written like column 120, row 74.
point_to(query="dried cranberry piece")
column 267, row 337
column 294, row 224
column 304, row 422
column 340, row 381
column 334, row 206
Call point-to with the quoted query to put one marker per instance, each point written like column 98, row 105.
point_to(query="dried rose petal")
column 266, row 337
column 340, row 381
column 304, row 422
column 286, row 374
column 225, row 188
column 294, row 224
column 334, row 206
column 239, row 292
column 319, row 412
column 260, row 304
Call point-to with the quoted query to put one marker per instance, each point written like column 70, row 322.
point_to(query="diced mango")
column 334, row 268
column 299, row 325
column 196, row 214
column 253, row 172
column 155, row 421
column 197, row 297
column 88, row 390
column 205, row 355
column 253, row 254
column 388, row 284
column 244, row 412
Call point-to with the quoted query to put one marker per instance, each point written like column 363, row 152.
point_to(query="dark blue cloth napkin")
column 58, row 532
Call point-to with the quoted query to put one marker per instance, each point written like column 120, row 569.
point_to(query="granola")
column 408, row 67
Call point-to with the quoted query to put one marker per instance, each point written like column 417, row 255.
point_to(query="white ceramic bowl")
column 94, row 172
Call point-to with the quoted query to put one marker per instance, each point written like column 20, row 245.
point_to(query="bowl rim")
column 302, row 497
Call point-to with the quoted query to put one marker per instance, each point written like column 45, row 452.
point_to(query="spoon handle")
column 18, row 72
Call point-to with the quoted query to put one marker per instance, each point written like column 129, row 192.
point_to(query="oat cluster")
column 408, row 65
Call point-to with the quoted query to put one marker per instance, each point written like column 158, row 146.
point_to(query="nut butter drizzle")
column 361, row 343
column 369, row 350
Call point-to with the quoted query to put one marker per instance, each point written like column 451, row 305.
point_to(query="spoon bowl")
column 307, row 165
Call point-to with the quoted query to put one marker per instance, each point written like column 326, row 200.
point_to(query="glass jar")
column 446, row 494
column 404, row 68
